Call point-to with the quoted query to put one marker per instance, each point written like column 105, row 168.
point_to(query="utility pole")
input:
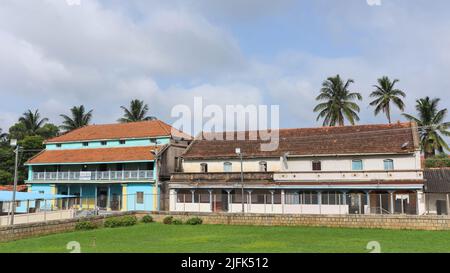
column 16, row 151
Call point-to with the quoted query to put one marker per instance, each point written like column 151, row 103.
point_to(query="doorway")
column 102, row 197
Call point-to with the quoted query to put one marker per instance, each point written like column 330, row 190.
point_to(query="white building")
column 329, row 170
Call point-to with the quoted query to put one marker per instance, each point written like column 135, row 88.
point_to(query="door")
column 115, row 202
column 224, row 201
column 441, row 207
column 102, row 197
column 355, row 205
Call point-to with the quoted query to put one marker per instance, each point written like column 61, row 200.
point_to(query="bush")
column 168, row 220
column 194, row 221
column 147, row 219
column 85, row 225
column 121, row 221
column 177, row 222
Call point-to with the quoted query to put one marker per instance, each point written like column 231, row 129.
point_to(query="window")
column 122, row 142
column 85, row 144
column 41, row 192
column 388, row 164
column 140, row 197
column 316, row 165
column 263, row 166
column 357, row 165
column 103, row 143
column 227, row 167
column 204, row 167
column 58, row 145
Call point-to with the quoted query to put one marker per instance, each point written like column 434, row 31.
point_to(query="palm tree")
column 78, row 119
column 384, row 94
column 431, row 125
column 137, row 112
column 338, row 102
column 32, row 121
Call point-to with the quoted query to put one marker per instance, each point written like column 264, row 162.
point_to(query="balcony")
column 374, row 175
column 94, row 176
column 222, row 177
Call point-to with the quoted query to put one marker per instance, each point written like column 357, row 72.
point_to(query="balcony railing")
column 222, row 177
column 93, row 175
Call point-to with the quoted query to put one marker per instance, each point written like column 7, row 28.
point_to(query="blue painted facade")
column 94, row 192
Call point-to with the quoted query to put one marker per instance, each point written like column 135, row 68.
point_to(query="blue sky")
column 104, row 53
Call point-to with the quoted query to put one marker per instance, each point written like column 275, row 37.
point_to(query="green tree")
column 384, row 94
column 79, row 118
column 18, row 131
column 32, row 121
column 337, row 102
column 49, row 130
column 136, row 112
column 431, row 125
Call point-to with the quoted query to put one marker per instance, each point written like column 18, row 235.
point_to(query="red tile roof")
column 94, row 155
column 143, row 129
column 314, row 141
column 20, row 188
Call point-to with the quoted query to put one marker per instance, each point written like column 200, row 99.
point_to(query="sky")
column 55, row 54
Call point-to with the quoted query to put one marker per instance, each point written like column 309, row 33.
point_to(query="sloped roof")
column 142, row 129
column 94, row 155
column 437, row 180
column 385, row 138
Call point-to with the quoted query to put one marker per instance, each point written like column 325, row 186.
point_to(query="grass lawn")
column 157, row 238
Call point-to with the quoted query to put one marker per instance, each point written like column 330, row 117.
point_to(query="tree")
column 431, row 125
column 49, row 130
column 384, row 94
column 137, row 112
column 338, row 102
column 32, row 121
column 3, row 137
column 79, row 118
column 18, row 131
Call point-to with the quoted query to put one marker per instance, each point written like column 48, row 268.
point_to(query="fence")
column 32, row 211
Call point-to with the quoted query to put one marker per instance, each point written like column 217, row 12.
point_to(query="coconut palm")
column 338, row 102
column 431, row 125
column 384, row 94
column 78, row 119
column 137, row 112
column 32, row 121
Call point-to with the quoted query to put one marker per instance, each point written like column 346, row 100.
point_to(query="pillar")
column 448, row 204
column 272, row 198
column 368, row 201
column 108, row 198
column 283, row 200
column 391, row 198
column 344, row 198
column 192, row 196
column 210, row 200
column 229, row 199
column 81, row 196
column 124, row 197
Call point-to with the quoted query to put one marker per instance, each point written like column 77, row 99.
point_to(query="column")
column 344, row 198
column 448, row 204
column 192, row 196
column 283, row 200
column 211, row 200
column 249, row 203
column 108, row 198
column 319, row 201
column 272, row 198
column 368, row 201
column 81, row 196
column 229, row 200
column 391, row 198
column 173, row 199
column 417, row 202
column 95, row 197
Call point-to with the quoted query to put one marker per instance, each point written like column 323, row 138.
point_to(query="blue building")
column 110, row 166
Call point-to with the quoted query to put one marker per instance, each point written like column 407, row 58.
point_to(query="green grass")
column 157, row 238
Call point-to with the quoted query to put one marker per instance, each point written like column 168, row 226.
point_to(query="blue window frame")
column 357, row 165
column 388, row 164
column 227, row 167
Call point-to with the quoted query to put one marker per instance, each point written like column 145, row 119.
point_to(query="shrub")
column 168, row 220
column 177, row 222
column 120, row 221
column 194, row 221
column 147, row 219
column 85, row 225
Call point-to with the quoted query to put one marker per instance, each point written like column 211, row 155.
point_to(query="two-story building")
column 328, row 170
column 109, row 166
